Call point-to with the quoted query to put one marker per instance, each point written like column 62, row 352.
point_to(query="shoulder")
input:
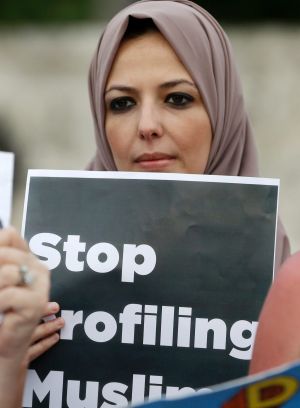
column 287, row 280
column 278, row 334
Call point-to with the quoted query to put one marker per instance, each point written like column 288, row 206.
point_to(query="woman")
column 204, row 52
column 24, row 287
column 278, row 334
column 165, row 96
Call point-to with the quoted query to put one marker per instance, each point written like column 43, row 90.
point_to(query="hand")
column 45, row 334
column 22, row 305
column 24, row 290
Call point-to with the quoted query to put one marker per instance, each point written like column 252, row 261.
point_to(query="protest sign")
column 275, row 388
column 160, row 279
column 6, row 184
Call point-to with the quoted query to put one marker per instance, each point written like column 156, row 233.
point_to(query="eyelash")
column 127, row 102
column 113, row 105
column 185, row 99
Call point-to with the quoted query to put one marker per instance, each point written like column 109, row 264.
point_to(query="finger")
column 51, row 308
column 15, row 256
column 11, row 238
column 36, row 271
column 15, row 333
column 9, row 275
column 44, row 330
column 28, row 304
column 41, row 347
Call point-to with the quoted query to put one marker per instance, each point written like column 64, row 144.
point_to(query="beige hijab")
column 204, row 49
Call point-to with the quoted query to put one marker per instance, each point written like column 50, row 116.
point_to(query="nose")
column 149, row 126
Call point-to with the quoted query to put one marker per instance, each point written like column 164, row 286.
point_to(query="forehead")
column 149, row 55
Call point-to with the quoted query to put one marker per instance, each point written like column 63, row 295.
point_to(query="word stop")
column 101, row 257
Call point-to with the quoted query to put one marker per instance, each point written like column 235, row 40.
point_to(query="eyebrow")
column 171, row 84
column 165, row 85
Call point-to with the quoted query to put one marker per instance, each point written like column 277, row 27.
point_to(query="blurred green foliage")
column 56, row 11
column 40, row 11
column 44, row 11
column 253, row 10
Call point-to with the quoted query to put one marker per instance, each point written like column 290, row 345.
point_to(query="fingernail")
column 60, row 322
column 53, row 307
column 49, row 318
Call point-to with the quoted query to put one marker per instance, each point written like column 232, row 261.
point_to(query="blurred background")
column 45, row 50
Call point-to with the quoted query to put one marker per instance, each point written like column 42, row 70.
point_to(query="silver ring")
column 26, row 277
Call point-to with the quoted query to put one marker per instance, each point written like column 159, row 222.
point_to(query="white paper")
column 153, row 176
column 6, row 186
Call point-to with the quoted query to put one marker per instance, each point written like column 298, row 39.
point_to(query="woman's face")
column 155, row 118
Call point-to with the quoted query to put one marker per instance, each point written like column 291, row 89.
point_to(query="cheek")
column 118, row 137
column 194, row 134
column 112, row 136
column 194, row 141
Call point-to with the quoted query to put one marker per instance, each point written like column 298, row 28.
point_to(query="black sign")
column 160, row 282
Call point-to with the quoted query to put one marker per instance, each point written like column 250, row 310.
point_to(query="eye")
column 179, row 99
column 121, row 104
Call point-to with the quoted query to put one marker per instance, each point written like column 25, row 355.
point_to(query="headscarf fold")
column 205, row 51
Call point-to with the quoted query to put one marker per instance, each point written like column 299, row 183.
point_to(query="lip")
column 154, row 161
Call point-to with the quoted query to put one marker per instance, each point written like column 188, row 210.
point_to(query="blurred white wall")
column 44, row 101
